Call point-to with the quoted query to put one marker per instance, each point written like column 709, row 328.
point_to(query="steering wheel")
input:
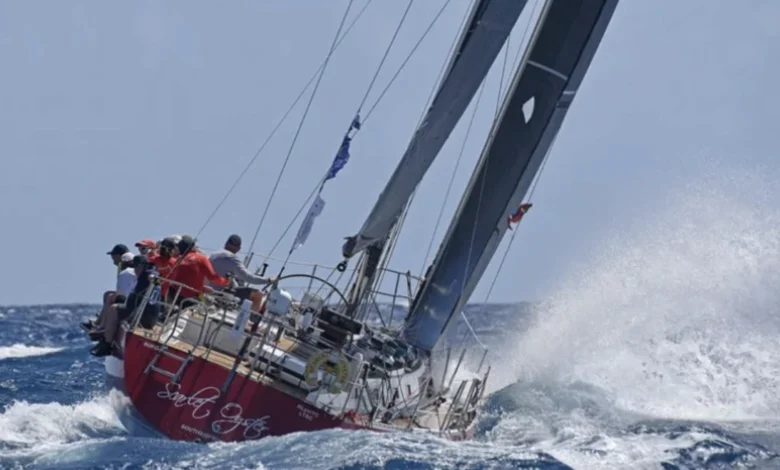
column 333, row 288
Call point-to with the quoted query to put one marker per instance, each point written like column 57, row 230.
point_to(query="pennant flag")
column 518, row 214
column 308, row 221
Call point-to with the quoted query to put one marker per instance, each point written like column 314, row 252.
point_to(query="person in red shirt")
column 164, row 261
column 146, row 247
column 193, row 269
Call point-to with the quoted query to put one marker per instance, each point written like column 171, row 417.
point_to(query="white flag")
column 308, row 222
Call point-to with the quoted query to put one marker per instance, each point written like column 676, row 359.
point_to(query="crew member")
column 124, row 283
column 146, row 247
column 193, row 269
column 145, row 273
column 226, row 263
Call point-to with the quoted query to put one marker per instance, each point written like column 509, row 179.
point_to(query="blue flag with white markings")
column 341, row 159
column 342, row 156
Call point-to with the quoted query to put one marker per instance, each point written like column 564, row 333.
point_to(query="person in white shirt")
column 125, row 280
column 120, row 254
column 125, row 283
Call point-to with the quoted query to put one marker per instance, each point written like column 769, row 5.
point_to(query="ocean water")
column 710, row 410
column 661, row 351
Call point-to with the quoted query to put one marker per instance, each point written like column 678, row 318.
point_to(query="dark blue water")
column 57, row 414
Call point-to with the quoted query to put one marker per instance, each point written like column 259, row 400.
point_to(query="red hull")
column 195, row 410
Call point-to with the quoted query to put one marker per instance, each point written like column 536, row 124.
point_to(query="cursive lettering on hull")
column 226, row 420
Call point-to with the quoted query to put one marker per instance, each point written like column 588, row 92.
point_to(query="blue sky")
column 125, row 120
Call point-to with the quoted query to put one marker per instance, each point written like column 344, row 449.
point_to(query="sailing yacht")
column 313, row 360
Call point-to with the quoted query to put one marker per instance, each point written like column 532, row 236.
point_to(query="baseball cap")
column 148, row 242
column 127, row 257
column 119, row 249
column 187, row 243
column 168, row 242
column 234, row 240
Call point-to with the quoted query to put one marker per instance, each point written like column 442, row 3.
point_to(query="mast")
column 545, row 83
column 482, row 38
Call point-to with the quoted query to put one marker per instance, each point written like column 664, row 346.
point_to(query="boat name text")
column 307, row 414
column 231, row 414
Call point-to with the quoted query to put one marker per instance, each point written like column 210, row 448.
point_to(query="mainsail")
column 481, row 40
column 545, row 83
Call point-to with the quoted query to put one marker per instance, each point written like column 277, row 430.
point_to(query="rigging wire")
column 463, row 145
column 483, row 183
column 357, row 114
column 518, row 55
column 368, row 91
column 466, row 268
column 503, row 258
column 500, row 90
column 503, row 74
column 406, row 60
column 452, row 178
column 336, row 42
column 501, row 97
column 465, row 140
column 300, row 125
column 515, row 63
column 422, row 116
column 395, row 234
column 292, row 222
column 534, row 183
column 435, row 87
column 278, row 125
column 384, row 57
column 514, row 234
column 379, row 99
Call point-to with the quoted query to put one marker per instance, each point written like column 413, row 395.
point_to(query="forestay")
column 545, row 83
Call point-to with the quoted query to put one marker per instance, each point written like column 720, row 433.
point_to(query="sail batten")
column 545, row 83
column 481, row 40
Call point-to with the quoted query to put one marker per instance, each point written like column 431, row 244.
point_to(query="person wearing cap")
column 145, row 272
column 226, row 263
column 117, row 252
column 193, row 269
column 176, row 239
column 164, row 260
column 125, row 282
column 125, row 279
column 146, row 247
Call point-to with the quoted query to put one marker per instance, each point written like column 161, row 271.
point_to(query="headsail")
column 564, row 43
column 483, row 36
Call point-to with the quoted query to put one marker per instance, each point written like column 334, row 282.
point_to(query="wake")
column 19, row 350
